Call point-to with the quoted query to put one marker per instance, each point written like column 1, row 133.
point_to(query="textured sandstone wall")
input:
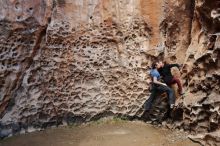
column 202, row 74
column 65, row 61
column 88, row 59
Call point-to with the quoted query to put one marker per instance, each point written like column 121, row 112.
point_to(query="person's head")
column 161, row 63
column 155, row 65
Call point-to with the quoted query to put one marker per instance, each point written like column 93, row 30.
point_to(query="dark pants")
column 177, row 81
column 159, row 88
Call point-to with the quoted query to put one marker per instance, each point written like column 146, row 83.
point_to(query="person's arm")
column 173, row 65
column 158, row 82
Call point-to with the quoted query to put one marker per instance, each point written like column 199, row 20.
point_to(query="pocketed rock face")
column 89, row 61
column 22, row 29
column 201, row 75
column 70, row 61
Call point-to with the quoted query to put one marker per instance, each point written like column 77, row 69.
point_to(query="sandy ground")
column 107, row 133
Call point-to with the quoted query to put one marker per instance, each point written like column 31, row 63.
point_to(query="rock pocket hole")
column 17, row 5
column 30, row 9
column 18, row 18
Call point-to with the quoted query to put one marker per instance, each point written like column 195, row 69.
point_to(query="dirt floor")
column 102, row 133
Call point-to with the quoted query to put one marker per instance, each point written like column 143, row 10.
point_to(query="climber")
column 158, row 86
column 168, row 78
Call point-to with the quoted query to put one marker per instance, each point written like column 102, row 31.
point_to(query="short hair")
column 154, row 64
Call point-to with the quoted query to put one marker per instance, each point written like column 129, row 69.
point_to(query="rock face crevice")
column 66, row 61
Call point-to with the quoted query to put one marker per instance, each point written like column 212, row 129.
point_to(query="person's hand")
column 164, row 84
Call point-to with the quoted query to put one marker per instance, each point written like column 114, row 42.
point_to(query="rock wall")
column 201, row 74
column 65, row 61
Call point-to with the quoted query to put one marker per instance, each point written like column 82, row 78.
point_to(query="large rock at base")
column 207, row 139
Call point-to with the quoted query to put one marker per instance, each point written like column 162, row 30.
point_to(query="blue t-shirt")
column 154, row 73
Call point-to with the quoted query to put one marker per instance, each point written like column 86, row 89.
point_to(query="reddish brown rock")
column 69, row 61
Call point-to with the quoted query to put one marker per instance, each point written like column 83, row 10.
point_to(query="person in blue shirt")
column 158, row 86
